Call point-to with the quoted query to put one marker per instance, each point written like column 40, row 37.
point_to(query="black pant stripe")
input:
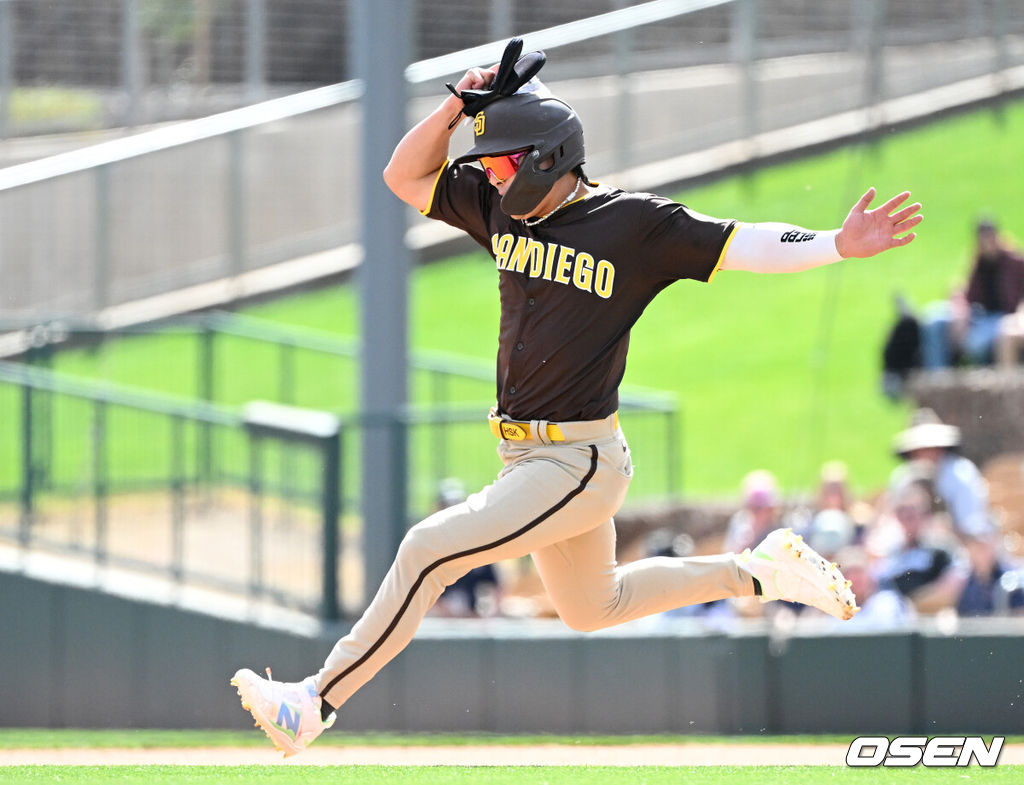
column 462, row 554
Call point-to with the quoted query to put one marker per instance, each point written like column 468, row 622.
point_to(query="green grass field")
column 777, row 372
column 438, row 775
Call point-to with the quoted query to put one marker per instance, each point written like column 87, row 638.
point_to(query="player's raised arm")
column 784, row 248
column 412, row 170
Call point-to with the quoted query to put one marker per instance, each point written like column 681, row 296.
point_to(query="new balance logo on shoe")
column 288, row 719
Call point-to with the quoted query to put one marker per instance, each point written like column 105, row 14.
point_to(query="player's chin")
column 522, row 216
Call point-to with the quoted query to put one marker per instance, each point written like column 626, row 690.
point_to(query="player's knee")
column 582, row 620
column 420, row 546
column 425, row 546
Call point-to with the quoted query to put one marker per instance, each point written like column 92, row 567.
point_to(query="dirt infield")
column 484, row 755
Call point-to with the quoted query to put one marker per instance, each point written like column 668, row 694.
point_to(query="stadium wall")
column 79, row 657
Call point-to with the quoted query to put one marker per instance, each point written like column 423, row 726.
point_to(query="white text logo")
column 912, row 750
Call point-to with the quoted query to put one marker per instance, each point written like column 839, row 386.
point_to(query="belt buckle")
column 513, row 432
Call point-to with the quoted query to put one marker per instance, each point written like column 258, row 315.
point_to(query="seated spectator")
column 992, row 586
column 968, row 324
column 832, row 526
column 834, row 487
column 929, row 451
column 830, row 531
column 761, row 512
column 476, row 594
column 901, row 354
column 919, row 568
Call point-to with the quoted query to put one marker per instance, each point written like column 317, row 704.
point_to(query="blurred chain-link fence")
column 78, row 64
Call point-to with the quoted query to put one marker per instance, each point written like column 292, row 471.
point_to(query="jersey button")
column 520, row 346
column 512, row 390
column 531, row 302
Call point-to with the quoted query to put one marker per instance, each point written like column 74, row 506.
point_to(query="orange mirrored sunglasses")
column 502, row 166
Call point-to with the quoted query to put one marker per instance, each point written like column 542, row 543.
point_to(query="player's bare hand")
column 868, row 232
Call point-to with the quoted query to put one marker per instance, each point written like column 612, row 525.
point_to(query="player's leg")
column 552, row 495
column 545, row 494
column 590, row 591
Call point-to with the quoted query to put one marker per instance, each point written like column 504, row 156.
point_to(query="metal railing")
column 153, row 444
column 215, row 199
column 103, row 471
column 248, row 498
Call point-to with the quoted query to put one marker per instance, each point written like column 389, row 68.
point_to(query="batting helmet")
column 529, row 120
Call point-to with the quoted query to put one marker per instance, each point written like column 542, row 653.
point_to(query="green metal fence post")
column 286, row 372
column 286, row 395
column 40, row 355
column 331, row 510
column 27, row 500
column 178, row 498
column 44, row 422
column 99, row 485
column 673, row 460
column 320, row 430
column 256, row 515
column 205, row 391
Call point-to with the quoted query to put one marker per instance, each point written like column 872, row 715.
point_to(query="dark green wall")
column 74, row 657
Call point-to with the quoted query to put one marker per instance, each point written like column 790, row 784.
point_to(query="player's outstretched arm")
column 784, row 248
column 412, row 171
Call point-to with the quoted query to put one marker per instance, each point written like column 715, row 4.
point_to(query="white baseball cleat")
column 288, row 712
column 789, row 569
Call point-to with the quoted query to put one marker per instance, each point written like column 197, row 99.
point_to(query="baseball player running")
column 578, row 261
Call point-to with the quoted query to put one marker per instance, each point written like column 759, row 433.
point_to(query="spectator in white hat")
column 929, row 449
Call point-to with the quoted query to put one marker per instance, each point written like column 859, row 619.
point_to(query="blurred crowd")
column 928, row 545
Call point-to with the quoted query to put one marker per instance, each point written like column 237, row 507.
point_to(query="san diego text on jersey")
column 553, row 262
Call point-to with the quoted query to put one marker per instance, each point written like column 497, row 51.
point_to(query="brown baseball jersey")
column 572, row 286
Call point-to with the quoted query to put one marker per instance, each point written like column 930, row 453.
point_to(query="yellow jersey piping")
column 433, row 191
column 721, row 256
